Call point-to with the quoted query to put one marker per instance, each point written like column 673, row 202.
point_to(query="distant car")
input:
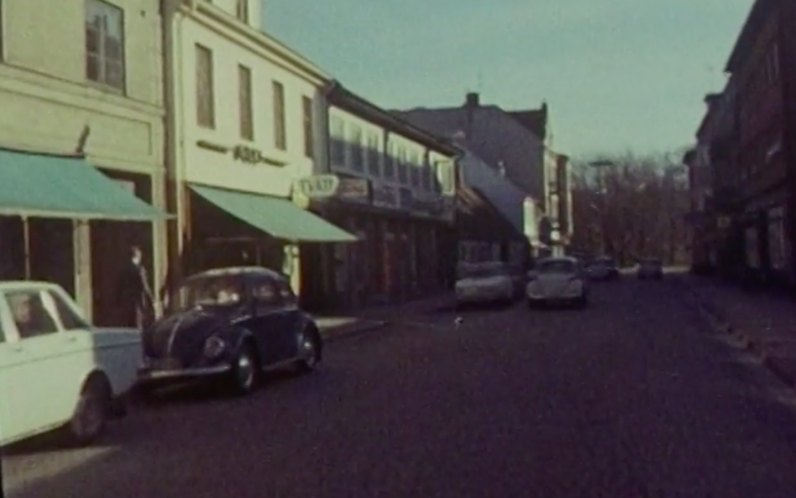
column 56, row 370
column 603, row 269
column 557, row 280
column 230, row 324
column 650, row 268
column 484, row 283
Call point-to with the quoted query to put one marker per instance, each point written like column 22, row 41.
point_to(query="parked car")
column 603, row 269
column 57, row 370
column 557, row 280
column 484, row 283
column 230, row 324
column 650, row 268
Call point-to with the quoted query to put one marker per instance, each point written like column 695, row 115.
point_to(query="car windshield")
column 556, row 267
column 208, row 292
column 486, row 271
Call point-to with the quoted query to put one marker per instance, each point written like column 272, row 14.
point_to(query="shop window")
column 402, row 168
column 374, row 168
column 337, row 133
column 105, row 43
column 205, row 103
column 389, row 160
column 414, row 169
column 280, row 135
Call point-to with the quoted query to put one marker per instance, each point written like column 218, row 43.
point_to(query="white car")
column 56, row 370
column 557, row 280
column 484, row 283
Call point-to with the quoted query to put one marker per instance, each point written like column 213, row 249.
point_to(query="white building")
column 80, row 94
column 244, row 127
column 396, row 192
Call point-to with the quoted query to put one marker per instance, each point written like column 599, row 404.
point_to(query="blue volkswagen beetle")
column 231, row 324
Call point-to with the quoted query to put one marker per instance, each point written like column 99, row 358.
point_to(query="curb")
column 748, row 343
column 344, row 331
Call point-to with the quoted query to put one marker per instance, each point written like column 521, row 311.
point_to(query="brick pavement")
column 764, row 322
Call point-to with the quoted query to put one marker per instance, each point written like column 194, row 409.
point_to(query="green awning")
column 279, row 218
column 52, row 186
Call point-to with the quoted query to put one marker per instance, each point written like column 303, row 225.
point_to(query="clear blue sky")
column 618, row 75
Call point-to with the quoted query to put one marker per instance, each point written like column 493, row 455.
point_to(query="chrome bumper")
column 150, row 374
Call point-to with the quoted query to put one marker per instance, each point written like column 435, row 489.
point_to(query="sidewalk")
column 373, row 318
column 764, row 323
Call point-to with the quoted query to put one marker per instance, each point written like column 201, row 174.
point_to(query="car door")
column 269, row 319
column 47, row 367
column 291, row 318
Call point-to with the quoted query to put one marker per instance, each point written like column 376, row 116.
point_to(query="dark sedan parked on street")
column 231, row 324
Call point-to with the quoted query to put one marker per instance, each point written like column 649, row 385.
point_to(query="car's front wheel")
column 244, row 370
column 310, row 351
column 91, row 413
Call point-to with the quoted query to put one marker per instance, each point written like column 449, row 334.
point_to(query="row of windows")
column 365, row 156
column 205, row 103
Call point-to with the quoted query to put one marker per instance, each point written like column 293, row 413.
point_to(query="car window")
column 69, row 318
column 286, row 293
column 30, row 314
column 265, row 292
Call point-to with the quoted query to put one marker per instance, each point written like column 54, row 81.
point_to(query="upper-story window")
column 280, row 134
column 772, row 63
column 426, row 172
column 357, row 159
column 205, row 105
column 337, row 132
column 389, row 158
column 414, row 168
column 309, row 136
column 245, row 95
column 374, row 168
column 402, row 172
column 1, row 34
column 242, row 10
column 105, row 43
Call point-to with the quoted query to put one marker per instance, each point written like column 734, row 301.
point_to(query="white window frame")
column 101, row 56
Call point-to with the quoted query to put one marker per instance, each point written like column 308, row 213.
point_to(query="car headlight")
column 214, row 347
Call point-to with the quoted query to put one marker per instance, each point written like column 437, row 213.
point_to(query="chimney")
column 472, row 100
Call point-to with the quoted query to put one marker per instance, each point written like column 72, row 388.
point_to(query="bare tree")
column 631, row 207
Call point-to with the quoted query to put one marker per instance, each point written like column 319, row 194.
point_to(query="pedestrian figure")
column 136, row 302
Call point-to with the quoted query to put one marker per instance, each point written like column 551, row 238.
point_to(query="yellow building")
column 81, row 129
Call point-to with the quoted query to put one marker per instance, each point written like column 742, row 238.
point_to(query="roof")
column 506, row 197
column 494, row 135
column 534, row 120
column 757, row 16
column 341, row 97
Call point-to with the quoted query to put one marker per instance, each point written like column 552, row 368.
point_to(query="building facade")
column 763, row 71
column 244, row 125
column 395, row 190
column 95, row 105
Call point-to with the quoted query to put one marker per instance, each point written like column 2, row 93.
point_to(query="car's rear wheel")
column 310, row 351
column 245, row 370
column 91, row 413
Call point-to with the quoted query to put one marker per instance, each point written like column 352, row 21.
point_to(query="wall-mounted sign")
column 385, row 196
column 318, row 186
column 242, row 153
column 251, row 155
column 354, row 189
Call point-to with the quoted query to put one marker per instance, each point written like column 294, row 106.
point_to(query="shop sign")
column 318, row 186
column 353, row 190
column 385, row 196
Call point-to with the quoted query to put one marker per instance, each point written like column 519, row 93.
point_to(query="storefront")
column 400, row 252
column 62, row 220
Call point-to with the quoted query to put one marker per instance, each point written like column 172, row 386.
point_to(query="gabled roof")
column 535, row 120
column 494, row 135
